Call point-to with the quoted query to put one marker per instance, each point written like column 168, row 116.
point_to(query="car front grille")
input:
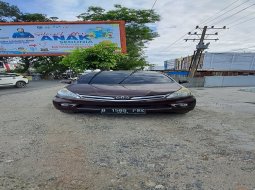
column 122, row 98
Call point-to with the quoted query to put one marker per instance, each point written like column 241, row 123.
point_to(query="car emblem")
column 122, row 98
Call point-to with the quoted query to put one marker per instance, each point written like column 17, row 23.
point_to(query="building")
column 183, row 63
column 220, row 64
column 156, row 68
column 169, row 64
column 229, row 61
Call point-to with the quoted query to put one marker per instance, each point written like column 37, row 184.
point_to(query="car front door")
column 6, row 80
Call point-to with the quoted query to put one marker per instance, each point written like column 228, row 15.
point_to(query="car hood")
column 124, row 89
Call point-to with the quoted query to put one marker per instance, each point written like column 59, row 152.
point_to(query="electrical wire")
column 176, row 41
column 242, row 22
column 154, row 4
column 228, row 6
column 210, row 20
column 233, row 14
column 230, row 23
column 226, row 12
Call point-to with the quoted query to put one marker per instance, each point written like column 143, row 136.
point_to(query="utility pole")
column 200, row 47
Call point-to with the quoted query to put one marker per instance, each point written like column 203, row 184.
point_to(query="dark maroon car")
column 125, row 92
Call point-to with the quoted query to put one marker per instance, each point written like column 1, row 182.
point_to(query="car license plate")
column 123, row 111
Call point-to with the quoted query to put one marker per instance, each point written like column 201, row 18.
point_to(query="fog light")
column 179, row 105
column 67, row 105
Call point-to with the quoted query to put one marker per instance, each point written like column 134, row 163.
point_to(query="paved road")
column 33, row 85
column 209, row 148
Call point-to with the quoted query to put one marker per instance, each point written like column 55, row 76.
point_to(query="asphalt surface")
column 209, row 148
column 33, row 85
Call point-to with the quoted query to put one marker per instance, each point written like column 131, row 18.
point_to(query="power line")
column 242, row 22
column 226, row 12
column 234, row 14
column 230, row 23
column 154, row 4
column 180, row 38
column 228, row 6
column 176, row 41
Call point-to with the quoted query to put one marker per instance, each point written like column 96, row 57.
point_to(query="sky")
column 178, row 17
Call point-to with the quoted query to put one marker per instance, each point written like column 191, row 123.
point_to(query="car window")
column 104, row 77
column 115, row 77
column 3, row 76
column 124, row 77
column 148, row 78
column 8, row 75
column 85, row 79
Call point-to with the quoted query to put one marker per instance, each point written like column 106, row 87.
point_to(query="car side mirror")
column 183, row 81
column 66, row 81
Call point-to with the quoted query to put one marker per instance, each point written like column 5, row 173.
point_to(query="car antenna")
column 94, row 76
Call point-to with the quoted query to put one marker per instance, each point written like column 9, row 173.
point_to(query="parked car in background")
column 125, row 92
column 13, row 79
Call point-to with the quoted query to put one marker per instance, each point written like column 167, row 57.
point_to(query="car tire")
column 21, row 84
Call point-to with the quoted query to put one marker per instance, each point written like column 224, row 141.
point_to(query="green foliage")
column 42, row 64
column 35, row 17
column 53, row 18
column 104, row 56
column 121, row 13
column 137, row 32
column 8, row 12
column 49, row 65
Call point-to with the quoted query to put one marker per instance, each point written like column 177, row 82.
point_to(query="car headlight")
column 183, row 92
column 64, row 93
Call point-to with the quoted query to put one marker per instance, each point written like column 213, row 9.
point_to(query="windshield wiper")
column 94, row 76
column 128, row 76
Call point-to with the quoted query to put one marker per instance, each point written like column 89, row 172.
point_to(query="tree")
column 49, row 65
column 137, row 32
column 8, row 12
column 104, row 56
column 53, row 18
column 33, row 17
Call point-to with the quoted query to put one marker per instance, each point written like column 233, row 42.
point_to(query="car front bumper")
column 180, row 105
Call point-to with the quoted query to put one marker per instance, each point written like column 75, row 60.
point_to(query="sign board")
column 57, row 38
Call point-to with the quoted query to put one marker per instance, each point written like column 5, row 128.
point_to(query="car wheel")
column 21, row 84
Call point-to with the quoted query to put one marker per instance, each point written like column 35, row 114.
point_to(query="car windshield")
column 124, row 77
